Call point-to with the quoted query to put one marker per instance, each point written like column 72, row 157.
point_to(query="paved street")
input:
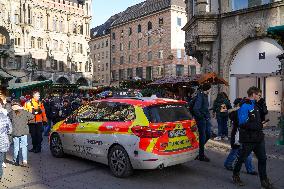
column 47, row 172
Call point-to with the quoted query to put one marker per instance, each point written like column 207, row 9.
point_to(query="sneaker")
column 225, row 138
column 25, row 163
column 237, row 180
column 253, row 173
column 218, row 138
column 265, row 184
column 4, row 165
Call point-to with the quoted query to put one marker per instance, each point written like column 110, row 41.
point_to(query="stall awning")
column 29, row 84
column 276, row 29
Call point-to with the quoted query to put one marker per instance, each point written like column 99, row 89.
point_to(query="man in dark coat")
column 202, row 117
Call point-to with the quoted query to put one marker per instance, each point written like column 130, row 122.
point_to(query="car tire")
column 119, row 162
column 56, row 146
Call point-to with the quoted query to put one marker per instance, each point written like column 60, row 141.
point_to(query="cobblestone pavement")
column 47, row 172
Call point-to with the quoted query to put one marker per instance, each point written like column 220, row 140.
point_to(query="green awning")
column 26, row 85
column 276, row 30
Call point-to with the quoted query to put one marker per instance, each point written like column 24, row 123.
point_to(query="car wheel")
column 119, row 162
column 56, row 146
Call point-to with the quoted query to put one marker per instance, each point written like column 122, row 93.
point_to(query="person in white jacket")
column 5, row 130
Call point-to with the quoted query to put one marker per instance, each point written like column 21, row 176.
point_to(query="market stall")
column 20, row 89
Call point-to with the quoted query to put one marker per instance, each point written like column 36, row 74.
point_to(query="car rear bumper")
column 145, row 160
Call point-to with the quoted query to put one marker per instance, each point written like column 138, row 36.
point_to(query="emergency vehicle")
column 128, row 133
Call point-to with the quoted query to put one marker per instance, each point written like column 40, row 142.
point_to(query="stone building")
column 233, row 39
column 100, row 52
column 147, row 42
column 46, row 39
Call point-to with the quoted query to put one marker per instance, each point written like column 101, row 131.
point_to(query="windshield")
column 167, row 113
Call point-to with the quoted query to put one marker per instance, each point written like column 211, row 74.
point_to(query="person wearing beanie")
column 202, row 117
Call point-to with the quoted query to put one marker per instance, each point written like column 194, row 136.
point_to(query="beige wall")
column 57, row 42
column 100, row 54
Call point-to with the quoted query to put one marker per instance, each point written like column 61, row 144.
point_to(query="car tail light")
column 147, row 132
column 194, row 128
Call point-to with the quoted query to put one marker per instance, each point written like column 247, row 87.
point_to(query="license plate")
column 177, row 133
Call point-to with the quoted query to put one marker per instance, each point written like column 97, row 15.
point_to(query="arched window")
column 55, row 23
column 41, row 22
column 150, row 27
column 61, row 24
column 139, row 28
column 75, row 27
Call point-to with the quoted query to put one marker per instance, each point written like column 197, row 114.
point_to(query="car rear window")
column 167, row 113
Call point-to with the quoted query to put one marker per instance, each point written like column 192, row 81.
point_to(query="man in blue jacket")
column 202, row 117
column 251, row 138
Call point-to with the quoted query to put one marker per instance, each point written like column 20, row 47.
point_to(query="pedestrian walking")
column 48, row 112
column 5, row 130
column 251, row 137
column 220, row 110
column 5, row 109
column 235, row 145
column 202, row 117
column 36, row 107
column 20, row 118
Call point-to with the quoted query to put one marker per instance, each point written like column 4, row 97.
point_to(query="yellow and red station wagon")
column 128, row 134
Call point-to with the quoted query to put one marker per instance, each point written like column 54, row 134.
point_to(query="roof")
column 104, row 29
column 145, row 8
column 142, row 101
column 28, row 84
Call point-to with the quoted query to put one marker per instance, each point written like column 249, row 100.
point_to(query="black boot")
column 265, row 184
column 237, row 180
column 32, row 150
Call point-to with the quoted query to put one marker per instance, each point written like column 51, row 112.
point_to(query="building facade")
column 233, row 39
column 147, row 42
column 46, row 39
column 100, row 52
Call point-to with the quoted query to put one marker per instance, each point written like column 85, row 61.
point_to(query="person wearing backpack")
column 251, row 138
column 235, row 145
column 202, row 117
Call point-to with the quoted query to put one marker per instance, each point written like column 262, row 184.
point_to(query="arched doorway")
column 82, row 81
column 63, row 80
column 4, row 36
column 256, row 64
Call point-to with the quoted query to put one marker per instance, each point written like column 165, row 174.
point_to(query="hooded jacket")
column 217, row 106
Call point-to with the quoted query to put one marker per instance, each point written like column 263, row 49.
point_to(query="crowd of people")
column 35, row 117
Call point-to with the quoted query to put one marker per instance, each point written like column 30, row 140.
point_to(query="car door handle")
column 82, row 127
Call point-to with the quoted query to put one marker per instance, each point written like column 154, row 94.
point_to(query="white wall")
column 177, row 34
column 247, row 60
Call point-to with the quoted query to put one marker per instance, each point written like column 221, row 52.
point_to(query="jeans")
column 47, row 127
column 20, row 142
column 1, row 162
column 232, row 157
column 222, row 126
column 204, row 130
column 259, row 150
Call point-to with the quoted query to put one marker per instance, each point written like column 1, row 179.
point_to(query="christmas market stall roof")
column 27, row 85
column 174, row 80
column 212, row 78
